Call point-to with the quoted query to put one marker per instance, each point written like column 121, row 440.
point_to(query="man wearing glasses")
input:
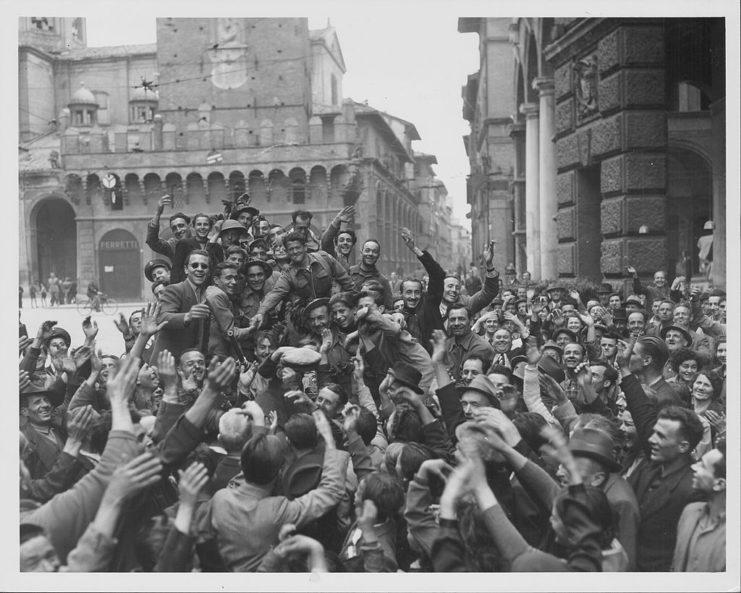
column 184, row 309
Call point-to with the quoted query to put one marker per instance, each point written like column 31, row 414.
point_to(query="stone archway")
column 55, row 240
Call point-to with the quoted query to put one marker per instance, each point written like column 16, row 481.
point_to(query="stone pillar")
column 532, row 187
column 547, row 179
column 517, row 133
column 718, row 115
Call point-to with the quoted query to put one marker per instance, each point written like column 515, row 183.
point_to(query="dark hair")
column 610, row 373
column 689, row 424
column 530, row 425
column 656, row 349
column 407, row 425
column 376, row 241
column 499, row 369
column 376, row 295
column 292, row 237
column 347, row 298
column 202, row 215
column 348, row 232
column 386, row 493
column 338, row 389
column 454, row 307
column 610, row 335
column 594, row 501
column 412, row 456
column 301, row 214
column 403, row 282
column 258, row 242
column 262, row 458
column 177, row 215
column 719, row 469
column 220, row 267
column 367, row 425
column 235, row 249
column 266, row 333
column 301, row 431
column 683, row 355
column 716, row 381
column 202, row 252
column 484, row 362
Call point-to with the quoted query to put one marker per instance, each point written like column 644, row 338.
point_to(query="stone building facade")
column 619, row 144
column 215, row 108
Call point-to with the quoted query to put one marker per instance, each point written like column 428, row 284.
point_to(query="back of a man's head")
column 386, row 493
column 235, row 430
column 656, row 349
column 367, row 425
column 301, row 431
column 262, row 457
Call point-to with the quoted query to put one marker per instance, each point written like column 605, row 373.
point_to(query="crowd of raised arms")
column 277, row 407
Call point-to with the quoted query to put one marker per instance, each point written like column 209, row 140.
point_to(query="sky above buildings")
column 410, row 63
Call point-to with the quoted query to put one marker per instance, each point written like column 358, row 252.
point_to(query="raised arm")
column 153, row 229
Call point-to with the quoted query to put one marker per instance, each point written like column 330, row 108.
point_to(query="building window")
column 328, row 129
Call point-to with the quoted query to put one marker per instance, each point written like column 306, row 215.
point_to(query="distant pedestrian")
column 43, row 295
column 20, row 297
column 32, row 294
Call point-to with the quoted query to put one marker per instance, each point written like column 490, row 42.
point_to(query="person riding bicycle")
column 93, row 293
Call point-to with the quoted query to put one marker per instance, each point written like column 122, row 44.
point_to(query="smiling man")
column 309, row 276
column 179, row 226
column 366, row 270
column 184, row 309
column 463, row 343
column 221, row 299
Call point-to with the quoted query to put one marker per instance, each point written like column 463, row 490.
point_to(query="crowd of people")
column 60, row 292
column 278, row 407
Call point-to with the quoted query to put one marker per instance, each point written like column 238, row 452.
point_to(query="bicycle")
column 107, row 305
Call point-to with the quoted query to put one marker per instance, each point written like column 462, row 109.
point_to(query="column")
column 532, row 187
column 517, row 133
column 547, row 179
column 718, row 115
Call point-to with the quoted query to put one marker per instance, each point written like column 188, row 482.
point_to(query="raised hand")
column 326, row 340
column 23, row 343
column 407, row 237
column 220, row 375
column 632, row 271
column 625, row 352
column 358, row 366
column 323, row 428
column 500, row 423
column 68, row 365
column 439, row 346
column 254, row 411
column 298, row 398
column 717, row 420
column 121, row 324
column 136, row 475
column 166, row 369
column 551, row 387
column 191, row 482
column 435, row 467
column 165, row 200
column 368, row 515
column 489, row 254
column 121, row 383
column 79, row 423
column 82, row 355
column 149, row 325
column 350, row 414
column 45, row 331
column 24, row 380
column 557, row 447
column 346, row 214
column 90, row 328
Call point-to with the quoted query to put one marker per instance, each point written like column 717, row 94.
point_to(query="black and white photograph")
column 314, row 290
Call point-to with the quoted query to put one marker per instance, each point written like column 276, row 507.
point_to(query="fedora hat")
column 253, row 261
column 407, row 375
column 553, row 286
column 551, row 368
column 605, row 288
column 39, row 386
column 482, row 384
column 684, row 332
column 595, row 444
column 155, row 263
column 633, row 299
column 568, row 332
column 619, row 315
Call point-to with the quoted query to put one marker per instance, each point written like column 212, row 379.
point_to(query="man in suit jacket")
column 184, row 309
column 220, row 299
column 663, row 481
